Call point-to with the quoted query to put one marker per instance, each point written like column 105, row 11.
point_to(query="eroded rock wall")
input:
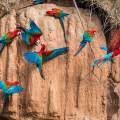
column 68, row 93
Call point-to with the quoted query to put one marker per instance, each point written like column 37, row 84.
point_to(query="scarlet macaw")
column 7, row 38
column 57, row 13
column 10, row 88
column 32, row 35
column 44, row 56
column 87, row 38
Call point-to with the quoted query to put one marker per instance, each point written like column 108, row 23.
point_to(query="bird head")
column 53, row 11
column 92, row 32
column 14, row 33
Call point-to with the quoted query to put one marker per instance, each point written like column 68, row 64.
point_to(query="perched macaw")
column 38, row 1
column 10, row 88
column 32, row 35
column 57, row 13
column 7, row 38
column 44, row 56
column 87, row 38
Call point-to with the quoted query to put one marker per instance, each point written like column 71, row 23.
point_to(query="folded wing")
column 15, row 89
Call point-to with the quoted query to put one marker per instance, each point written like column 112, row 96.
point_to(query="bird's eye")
column 19, row 33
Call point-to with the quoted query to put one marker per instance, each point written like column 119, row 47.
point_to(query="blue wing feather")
column 33, row 57
column 15, row 89
column 25, row 37
column 104, row 48
column 3, row 86
column 55, row 54
column 34, row 28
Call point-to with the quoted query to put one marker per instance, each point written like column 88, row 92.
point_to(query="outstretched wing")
column 33, row 57
column 15, row 89
column 55, row 53
column 26, row 37
column 35, row 30
column 3, row 86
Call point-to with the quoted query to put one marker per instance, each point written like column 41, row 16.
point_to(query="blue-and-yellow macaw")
column 87, row 38
column 44, row 56
column 7, row 38
column 57, row 13
column 32, row 35
column 10, row 88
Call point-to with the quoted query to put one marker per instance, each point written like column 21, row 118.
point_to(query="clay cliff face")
column 68, row 92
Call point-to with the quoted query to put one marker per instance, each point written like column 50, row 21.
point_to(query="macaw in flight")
column 7, row 38
column 108, row 57
column 38, row 2
column 9, row 88
column 44, row 56
column 88, row 37
column 57, row 13
column 113, row 49
column 31, row 36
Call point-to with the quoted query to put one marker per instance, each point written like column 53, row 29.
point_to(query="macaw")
column 57, row 13
column 44, row 56
column 10, row 88
column 38, row 1
column 112, row 50
column 7, row 38
column 108, row 57
column 31, row 36
column 87, row 38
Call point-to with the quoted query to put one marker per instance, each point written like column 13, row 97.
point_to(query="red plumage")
column 115, row 41
column 115, row 53
column 10, row 83
column 44, row 52
column 13, row 34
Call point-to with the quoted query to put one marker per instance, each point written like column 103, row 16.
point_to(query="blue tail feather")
column 63, row 27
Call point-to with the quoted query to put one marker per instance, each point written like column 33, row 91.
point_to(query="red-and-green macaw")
column 9, row 88
column 57, row 13
column 44, row 56
column 32, row 35
column 7, row 38
column 112, row 51
column 108, row 57
column 87, row 38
